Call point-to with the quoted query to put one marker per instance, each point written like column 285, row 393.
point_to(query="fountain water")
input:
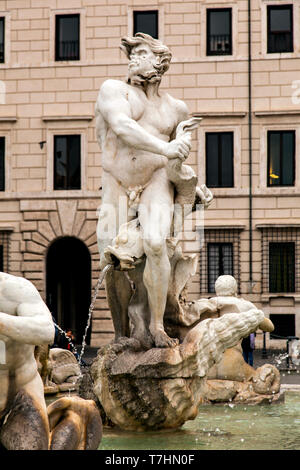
column 92, row 306
column 59, row 356
column 91, row 309
column 222, row 427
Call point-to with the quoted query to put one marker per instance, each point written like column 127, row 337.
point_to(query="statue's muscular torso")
column 158, row 115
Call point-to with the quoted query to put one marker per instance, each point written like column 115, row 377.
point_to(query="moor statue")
column 145, row 136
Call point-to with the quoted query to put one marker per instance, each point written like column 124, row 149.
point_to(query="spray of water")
column 91, row 309
column 92, row 306
column 67, row 338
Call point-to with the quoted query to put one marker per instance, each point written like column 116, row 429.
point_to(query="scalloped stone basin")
column 222, row 427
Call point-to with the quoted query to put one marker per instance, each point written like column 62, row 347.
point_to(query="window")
column 146, row 22
column 2, row 40
column 67, row 32
column 219, row 159
column 219, row 32
column 280, row 250
column 220, row 255
column 220, row 261
column 282, row 267
column 4, row 250
column 67, row 162
column 284, row 325
column 281, row 158
column 280, row 28
column 2, row 163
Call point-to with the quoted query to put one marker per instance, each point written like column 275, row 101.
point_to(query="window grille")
column 280, row 250
column 4, row 250
column 282, row 267
column 219, row 255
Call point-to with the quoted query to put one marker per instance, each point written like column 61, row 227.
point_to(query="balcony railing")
column 67, row 50
column 219, row 44
column 280, row 42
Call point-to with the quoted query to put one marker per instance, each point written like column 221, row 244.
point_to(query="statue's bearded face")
column 142, row 64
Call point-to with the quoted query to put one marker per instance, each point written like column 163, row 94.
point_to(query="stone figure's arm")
column 32, row 325
column 114, row 107
column 205, row 305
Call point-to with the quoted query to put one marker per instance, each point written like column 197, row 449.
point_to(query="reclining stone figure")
column 25, row 322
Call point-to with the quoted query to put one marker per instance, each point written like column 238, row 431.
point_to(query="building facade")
column 235, row 63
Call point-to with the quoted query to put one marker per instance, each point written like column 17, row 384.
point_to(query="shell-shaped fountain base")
column 162, row 388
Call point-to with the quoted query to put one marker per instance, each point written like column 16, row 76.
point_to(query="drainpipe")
column 250, row 145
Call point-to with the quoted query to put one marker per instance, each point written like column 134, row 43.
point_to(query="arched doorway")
column 68, row 284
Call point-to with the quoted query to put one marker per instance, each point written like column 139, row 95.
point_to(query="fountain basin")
column 222, row 427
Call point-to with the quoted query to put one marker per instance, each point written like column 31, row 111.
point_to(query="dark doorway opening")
column 68, row 285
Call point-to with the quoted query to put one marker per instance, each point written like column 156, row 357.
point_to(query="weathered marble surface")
column 162, row 387
column 232, row 374
column 58, row 368
column 25, row 322
column 243, row 383
column 145, row 136
column 147, row 379
column 75, row 424
column 65, row 369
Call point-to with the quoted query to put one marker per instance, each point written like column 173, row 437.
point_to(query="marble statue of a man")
column 136, row 129
column 25, row 321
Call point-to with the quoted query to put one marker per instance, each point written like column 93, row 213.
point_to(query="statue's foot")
column 144, row 338
column 122, row 343
column 162, row 340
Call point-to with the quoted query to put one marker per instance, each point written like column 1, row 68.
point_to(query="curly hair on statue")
column 156, row 46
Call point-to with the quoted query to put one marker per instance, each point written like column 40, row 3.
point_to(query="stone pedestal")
column 162, row 388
